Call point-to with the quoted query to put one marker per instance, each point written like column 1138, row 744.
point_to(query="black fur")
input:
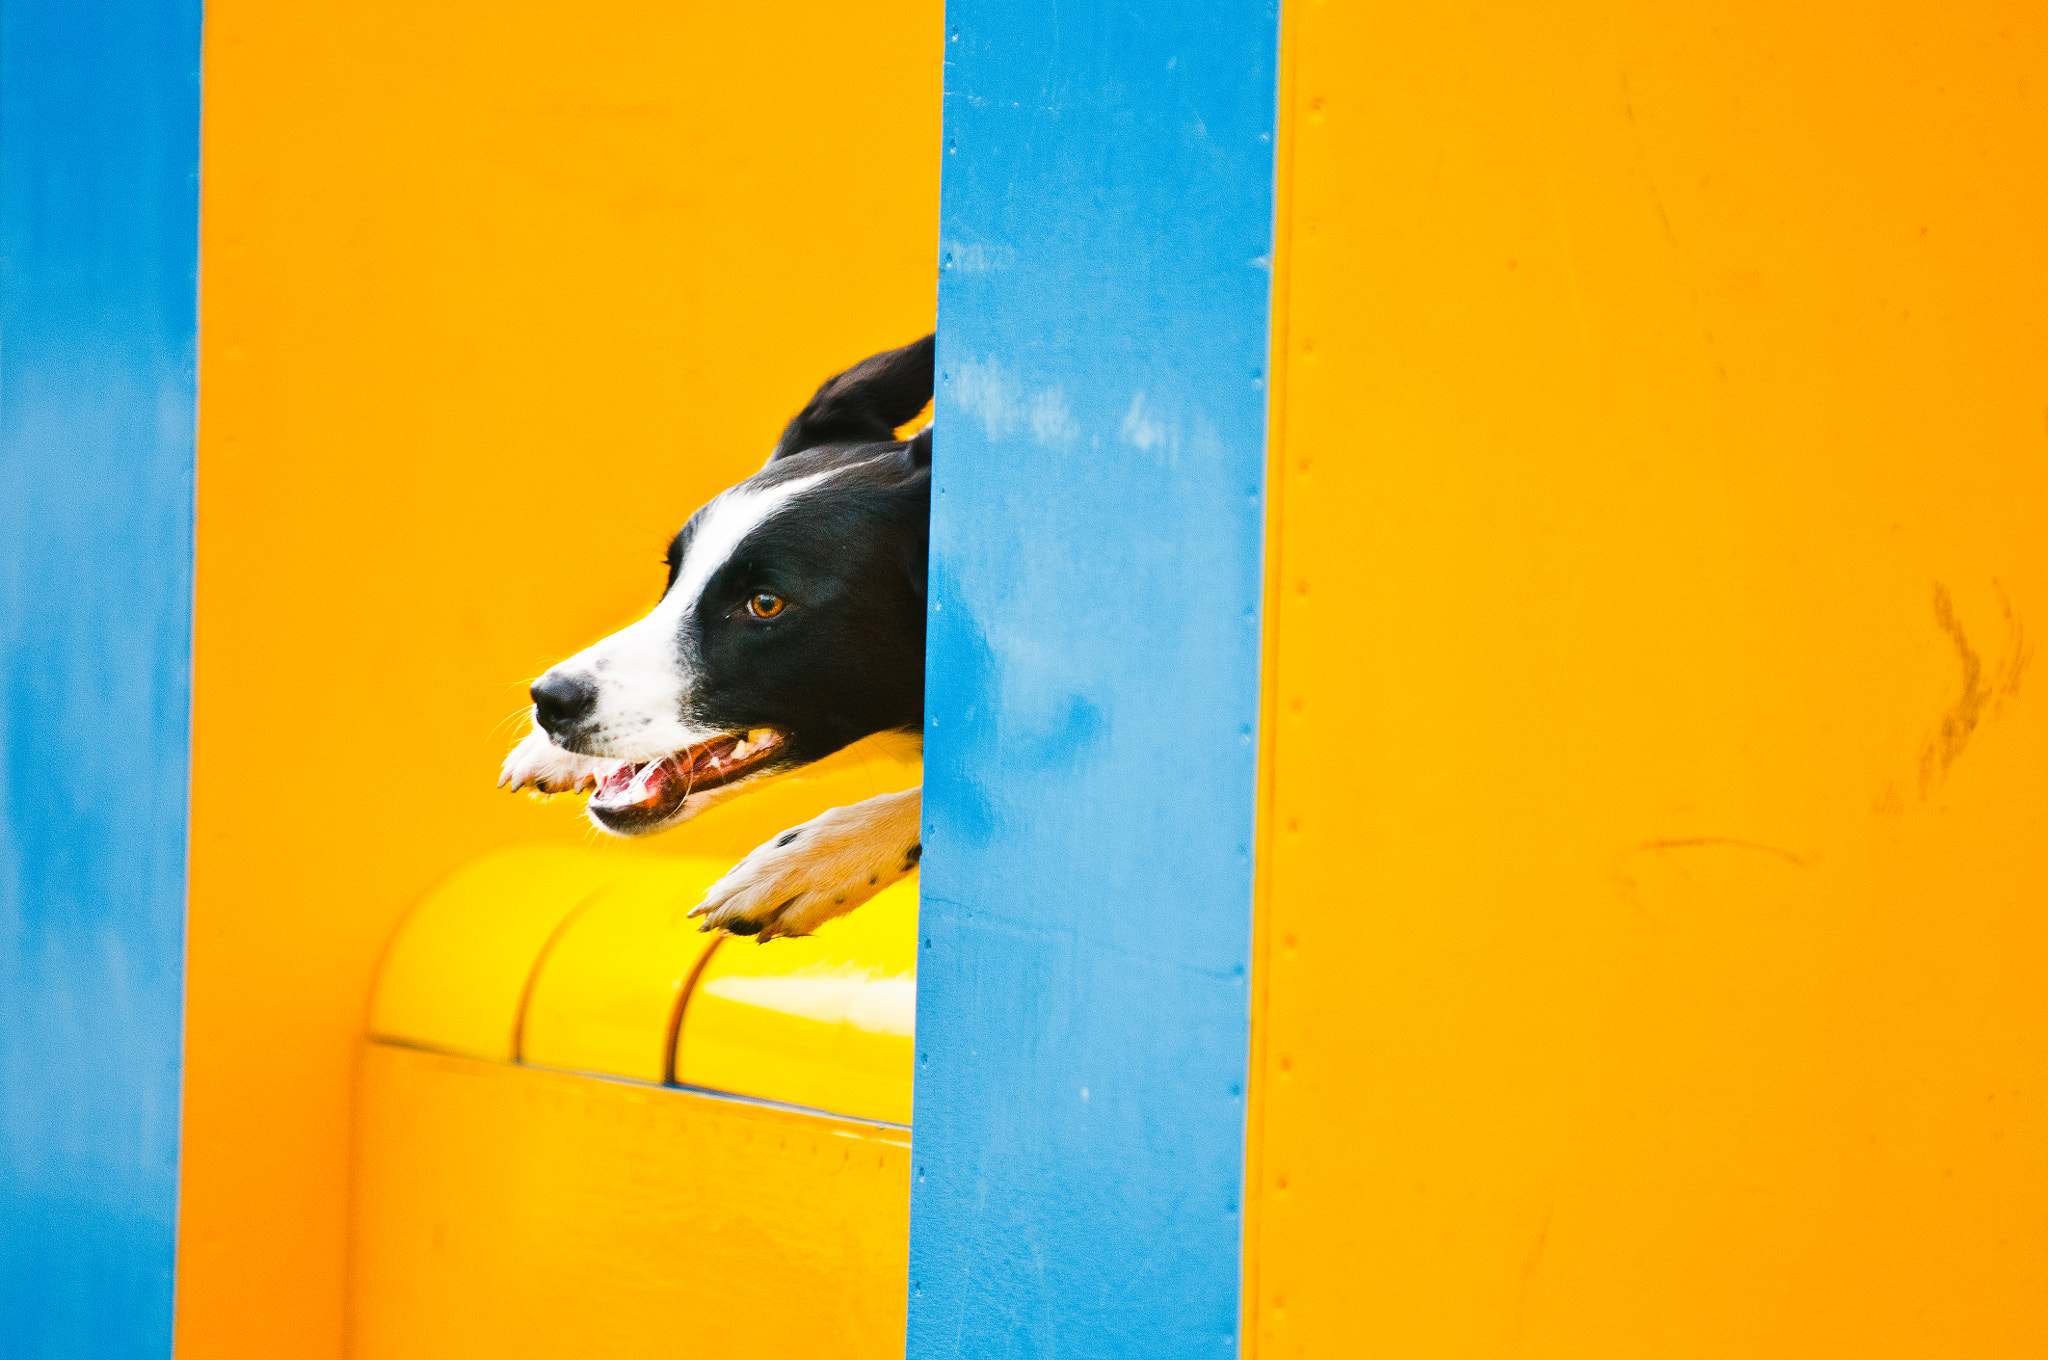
column 845, row 657
column 866, row 404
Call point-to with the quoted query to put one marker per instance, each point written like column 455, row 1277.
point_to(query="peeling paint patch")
column 1004, row 406
column 1144, row 431
column 1051, row 421
column 974, row 257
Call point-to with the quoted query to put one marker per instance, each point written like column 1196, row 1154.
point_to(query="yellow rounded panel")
column 457, row 969
column 588, row 961
column 604, row 997
column 507, row 1210
column 825, row 1022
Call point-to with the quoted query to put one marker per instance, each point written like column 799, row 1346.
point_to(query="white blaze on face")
column 646, row 673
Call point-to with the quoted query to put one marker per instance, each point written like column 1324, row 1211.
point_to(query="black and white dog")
column 792, row 625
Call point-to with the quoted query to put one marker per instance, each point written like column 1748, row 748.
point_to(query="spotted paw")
column 812, row 873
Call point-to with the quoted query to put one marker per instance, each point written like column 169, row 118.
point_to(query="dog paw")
column 813, row 873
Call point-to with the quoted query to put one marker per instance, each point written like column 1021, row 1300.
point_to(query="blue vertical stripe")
column 99, row 151
column 1093, row 678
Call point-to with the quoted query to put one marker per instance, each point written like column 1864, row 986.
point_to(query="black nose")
column 562, row 701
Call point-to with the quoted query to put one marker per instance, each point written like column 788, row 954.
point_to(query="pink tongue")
column 635, row 785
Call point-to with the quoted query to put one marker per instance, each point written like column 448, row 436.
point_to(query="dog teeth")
column 753, row 741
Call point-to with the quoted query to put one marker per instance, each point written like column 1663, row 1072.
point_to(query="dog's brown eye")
column 765, row 606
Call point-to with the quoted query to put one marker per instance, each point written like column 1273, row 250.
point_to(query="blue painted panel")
column 1093, row 679
column 99, row 150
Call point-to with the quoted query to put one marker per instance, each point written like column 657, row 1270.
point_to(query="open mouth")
column 635, row 796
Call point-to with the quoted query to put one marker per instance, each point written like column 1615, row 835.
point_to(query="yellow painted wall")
column 493, row 295
column 1655, row 931
column 510, row 1212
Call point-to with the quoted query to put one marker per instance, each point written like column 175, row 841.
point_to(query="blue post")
column 1093, row 679
column 99, row 207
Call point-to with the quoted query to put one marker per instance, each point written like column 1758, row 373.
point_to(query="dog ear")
column 866, row 403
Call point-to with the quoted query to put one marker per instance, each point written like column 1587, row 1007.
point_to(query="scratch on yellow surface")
column 1571, row 264
column 1978, row 695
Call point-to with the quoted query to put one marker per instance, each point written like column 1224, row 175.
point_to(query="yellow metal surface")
column 1655, row 930
column 605, row 996
column 511, row 1212
column 457, row 970
column 458, row 256
column 506, row 1210
column 826, row 1021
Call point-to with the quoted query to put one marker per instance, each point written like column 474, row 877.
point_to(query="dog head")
column 792, row 623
